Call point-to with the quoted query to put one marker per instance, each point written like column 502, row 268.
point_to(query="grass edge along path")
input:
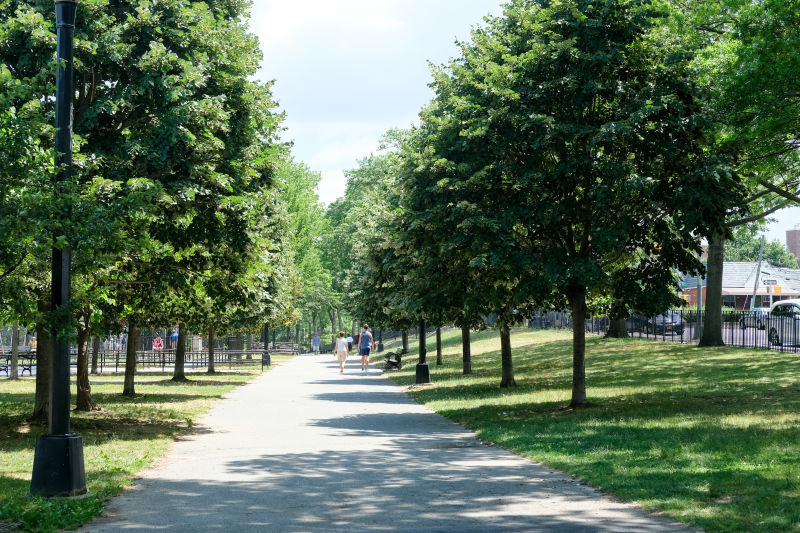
column 122, row 439
column 706, row 436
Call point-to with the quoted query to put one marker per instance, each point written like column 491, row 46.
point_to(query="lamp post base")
column 423, row 373
column 58, row 466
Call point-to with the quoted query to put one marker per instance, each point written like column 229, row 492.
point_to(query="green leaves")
column 175, row 152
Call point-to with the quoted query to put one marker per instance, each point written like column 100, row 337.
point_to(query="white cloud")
column 343, row 154
column 347, row 71
column 332, row 147
column 284, row 26
column 335, row 130
column 331, row 186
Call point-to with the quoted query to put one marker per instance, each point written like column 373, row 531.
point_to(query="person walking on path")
column 365, row 344
column 341, row 351
column 315, row 344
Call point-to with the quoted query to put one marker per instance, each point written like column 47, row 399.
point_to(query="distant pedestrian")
column 349, row 343
column 365, row 344
column 342, row 351
column 315, row 344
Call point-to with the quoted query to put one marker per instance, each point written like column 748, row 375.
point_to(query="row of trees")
column 185, row 208
column 576, row 156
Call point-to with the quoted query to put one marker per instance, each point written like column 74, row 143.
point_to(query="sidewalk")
column 303, row 448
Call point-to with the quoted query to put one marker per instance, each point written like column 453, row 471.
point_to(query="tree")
column 353, row 248
column 445, row 276
column 296, row 186
column 175, row 151
column 747, row 63
column 746, row 244
column 579, row 143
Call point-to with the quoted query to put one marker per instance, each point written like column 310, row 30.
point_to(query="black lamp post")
column 58, row 461
column 423, row 372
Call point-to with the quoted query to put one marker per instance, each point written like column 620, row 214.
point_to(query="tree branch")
column 12, row 269
column 753, row 218
column 792, row 197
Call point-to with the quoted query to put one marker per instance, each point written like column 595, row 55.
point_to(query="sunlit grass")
column 120, row 440
column 708, row 436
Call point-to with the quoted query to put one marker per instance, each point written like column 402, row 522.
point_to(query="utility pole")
column 758, row 275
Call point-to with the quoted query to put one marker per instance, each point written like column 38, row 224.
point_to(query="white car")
column 784, row 323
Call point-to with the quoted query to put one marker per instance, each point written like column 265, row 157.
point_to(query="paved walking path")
column 303, row 448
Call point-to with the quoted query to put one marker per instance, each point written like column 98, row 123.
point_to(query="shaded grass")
column 120, row 440
column 707, row 436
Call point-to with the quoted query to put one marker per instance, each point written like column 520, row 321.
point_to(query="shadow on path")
column 435, row 489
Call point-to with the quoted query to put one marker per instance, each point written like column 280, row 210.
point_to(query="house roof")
column 742, row 274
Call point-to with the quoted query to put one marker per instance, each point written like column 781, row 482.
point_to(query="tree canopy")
column 566, row 152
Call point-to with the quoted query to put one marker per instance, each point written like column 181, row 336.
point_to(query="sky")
column 346, row 71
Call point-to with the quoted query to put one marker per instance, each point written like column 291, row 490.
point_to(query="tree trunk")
column 617, row 329
column 438, row 346
column 354, row 328
column 249, row 346
column 44, row 353
column 505, row 356
column 128, row 389
column 577, row 301
column 13, row 371
column 332, row 316
column 339, row 317
column 466, row 352
column 712, row 318
column 83, row 401
column 314, row 323
column 211, row 334
column 405, row 342
column 423, row 349
column 178, row 373
column 95, row 353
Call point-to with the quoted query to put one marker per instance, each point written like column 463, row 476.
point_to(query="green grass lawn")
column 709, row 437
column 119, row 441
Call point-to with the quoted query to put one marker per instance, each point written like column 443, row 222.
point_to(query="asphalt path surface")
column 304, row 448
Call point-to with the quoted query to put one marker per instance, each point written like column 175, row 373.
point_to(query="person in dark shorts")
column 365, row 344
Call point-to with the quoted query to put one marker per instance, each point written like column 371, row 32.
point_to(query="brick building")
column 793, row 242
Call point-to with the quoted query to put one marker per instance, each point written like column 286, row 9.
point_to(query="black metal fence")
column 744, row 329
column 114, row 361
column 757, row 329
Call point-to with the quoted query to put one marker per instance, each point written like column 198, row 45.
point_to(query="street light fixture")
column 58, row 468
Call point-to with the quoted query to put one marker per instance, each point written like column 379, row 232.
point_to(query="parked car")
column 784, row 323
column 757, row 318
column 666, row 324
column 636, row 323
